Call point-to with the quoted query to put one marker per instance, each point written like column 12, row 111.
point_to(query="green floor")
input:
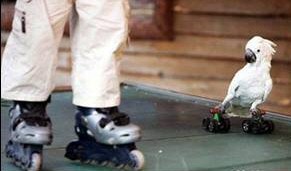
column 172, row 136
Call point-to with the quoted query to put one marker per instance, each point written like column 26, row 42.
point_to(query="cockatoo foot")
column 257, row 112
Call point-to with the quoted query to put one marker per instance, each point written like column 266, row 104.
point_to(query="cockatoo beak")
column 250, row 56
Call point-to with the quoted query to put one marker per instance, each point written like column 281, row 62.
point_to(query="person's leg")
column 99, row 32
column 30, row 56
column 28, row 67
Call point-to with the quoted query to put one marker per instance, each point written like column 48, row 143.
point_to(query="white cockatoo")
column 252, row 84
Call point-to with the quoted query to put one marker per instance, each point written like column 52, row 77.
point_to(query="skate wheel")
column 119, row 166
column 205, row 123
column 86, row 161
column 272, row 126
column 225, row 125
column 212, row 127
column 269, row 126
column 246, row 126
column 104, row 163
column 9, row 153
column 73, row 150
column 16, row 162
column 138, row 157
column 256, row 128
column 36, row 161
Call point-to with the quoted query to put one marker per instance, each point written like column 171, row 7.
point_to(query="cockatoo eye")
column 258, row 50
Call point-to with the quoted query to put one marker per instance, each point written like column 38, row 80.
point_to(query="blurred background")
column 193, row 46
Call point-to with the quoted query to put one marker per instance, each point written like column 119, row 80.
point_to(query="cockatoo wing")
column 268, row 88
column 234, row 84
column 232, row 89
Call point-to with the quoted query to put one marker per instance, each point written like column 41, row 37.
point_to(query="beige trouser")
column 99, row 30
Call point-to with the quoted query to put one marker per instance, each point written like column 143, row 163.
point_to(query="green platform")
column 172, row 136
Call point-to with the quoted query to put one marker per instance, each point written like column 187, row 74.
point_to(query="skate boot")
column 257, row 124
column 30, row 129
column 217, row 122
column 105, row 136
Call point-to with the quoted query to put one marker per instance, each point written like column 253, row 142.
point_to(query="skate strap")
column 31, row 121
column 119, row 119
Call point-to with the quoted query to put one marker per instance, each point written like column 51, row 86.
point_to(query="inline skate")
column 105, row 136
column 217, row 122
column 257, row 124
column 30, row 129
